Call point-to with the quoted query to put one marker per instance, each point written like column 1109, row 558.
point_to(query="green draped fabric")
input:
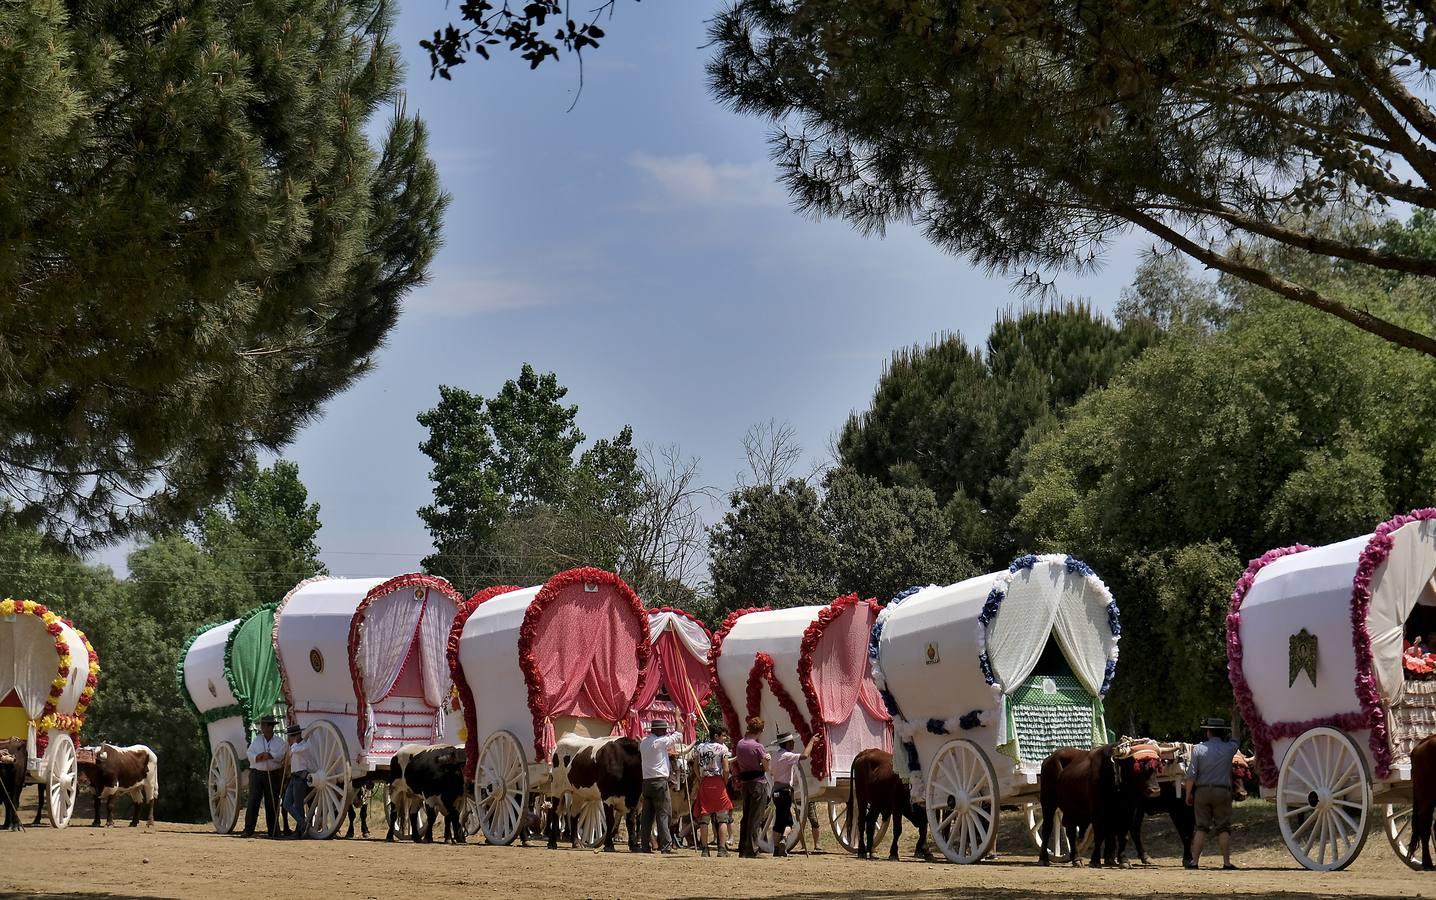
column 250, row 664
column 1040, row 720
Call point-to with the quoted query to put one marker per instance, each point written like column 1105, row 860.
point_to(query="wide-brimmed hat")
column 268, row 720
column 294, row 729
column 658, row 725
column 786, row 737
column 1215, row 723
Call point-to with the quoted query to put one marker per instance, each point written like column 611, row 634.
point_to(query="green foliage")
column 954, row 419
column 1027, row 134
column 511, row 504
column 199, row 244
column 1212, row 448
column 770, row 549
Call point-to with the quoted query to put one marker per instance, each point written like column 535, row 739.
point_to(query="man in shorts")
column 1209, row 790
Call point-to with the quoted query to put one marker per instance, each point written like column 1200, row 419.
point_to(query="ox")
column 133, row 771
column 14, row 757
column 361, row 793
column 607, row 769
column 1423, row 799
column 436, row 776
column 875, row 790
column 401, row 804
column 1102, row 790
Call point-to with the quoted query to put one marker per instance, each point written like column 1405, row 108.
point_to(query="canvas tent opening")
column 1413, row 712
column 1051, row 709
column 676, row 683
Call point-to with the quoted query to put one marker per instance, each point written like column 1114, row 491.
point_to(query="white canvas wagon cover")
column 961, row 660
column 368, row 655
column 805, row 670
column 540, row 660
column 1314, row 637
column 48, row 674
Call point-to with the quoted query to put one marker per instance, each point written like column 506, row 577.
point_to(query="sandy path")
column 190, row 861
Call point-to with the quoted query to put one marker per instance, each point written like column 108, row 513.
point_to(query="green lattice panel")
column 1044, row 721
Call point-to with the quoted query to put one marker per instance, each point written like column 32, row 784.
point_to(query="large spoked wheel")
column 800, row 811
column 224, row 787
column 1404, row 842
column 328, row 797
column 61, row 779
column 1323, row 800
column 1061, row 848
column 962, row 802
column 501, row 787
column 846, row 834
column 591, row 821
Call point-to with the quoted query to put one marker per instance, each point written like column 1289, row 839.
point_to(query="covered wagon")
column 1315, row 650
column 806, row 670
column 48, row 674
column 229, row 676
column 984, row 679
column 363, row 670
column 677, row 683
column 541, row 663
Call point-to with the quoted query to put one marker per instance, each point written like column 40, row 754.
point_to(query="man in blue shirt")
column 1209, row 789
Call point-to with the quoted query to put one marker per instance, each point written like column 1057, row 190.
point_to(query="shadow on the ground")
column 1066, row 890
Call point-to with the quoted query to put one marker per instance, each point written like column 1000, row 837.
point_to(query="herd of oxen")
column 1102, row 795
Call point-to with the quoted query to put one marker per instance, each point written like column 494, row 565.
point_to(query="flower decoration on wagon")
column 50, row 717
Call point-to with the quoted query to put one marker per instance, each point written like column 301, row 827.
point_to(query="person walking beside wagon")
column 297, row 787
column 655, row 751
column 784, row 769
column 713, row 803
column 750, row 763
column 1209, row 790
column 266, row 754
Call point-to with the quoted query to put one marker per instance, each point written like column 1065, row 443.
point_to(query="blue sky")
column 639, row 247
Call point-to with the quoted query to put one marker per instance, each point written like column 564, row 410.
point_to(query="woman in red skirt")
column 713, row 802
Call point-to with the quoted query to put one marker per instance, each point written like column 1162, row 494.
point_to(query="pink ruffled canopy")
column 840, row 679
column 679, row 668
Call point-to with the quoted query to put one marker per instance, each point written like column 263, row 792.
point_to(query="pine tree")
column 199, row 245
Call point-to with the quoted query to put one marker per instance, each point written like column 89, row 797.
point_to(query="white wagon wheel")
column 1061, row 848
column 1404, row 842
column 848, row 839
column 328, row 799
column 1323, row 800
column 223, row 785
column 62, row 772
column 962, row 801
column 800, row 811
column 501, row 787
column 591, row 825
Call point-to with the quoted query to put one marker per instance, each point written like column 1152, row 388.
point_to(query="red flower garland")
column 393, row 585
column 811, row 636
column 715, row 650
column 528, row 631
column 765, row 670
column 456, row 672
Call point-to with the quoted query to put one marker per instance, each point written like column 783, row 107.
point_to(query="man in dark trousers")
column 266, row 762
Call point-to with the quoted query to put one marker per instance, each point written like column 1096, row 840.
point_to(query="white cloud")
column 469, row 294
column 691, row 179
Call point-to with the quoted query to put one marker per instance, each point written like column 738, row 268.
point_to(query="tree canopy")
column 199, row 244
column 1025, row 135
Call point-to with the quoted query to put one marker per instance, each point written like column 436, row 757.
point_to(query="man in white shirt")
column 266, row 755
column 297, row 788
column 655, row 751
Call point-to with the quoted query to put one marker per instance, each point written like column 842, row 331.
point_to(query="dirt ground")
column 190, row 860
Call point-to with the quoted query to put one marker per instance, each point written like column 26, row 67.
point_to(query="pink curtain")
column 634, row 726
column 586, row 648
column 840, row 663
column 686, row 678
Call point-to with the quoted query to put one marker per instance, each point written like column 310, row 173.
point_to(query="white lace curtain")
column 385, row 636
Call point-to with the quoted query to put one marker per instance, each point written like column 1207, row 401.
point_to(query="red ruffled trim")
column 715, row 650
column 765, row 670
column 456, row 671
column 533, row 678
column 393, row 585
column 1372, row 717
column 811, row 636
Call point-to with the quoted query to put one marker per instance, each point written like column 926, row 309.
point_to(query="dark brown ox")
column 133, row 771
column 609, row 769
column 875, row 790
column 14, row 757
column 1423, row 798
column 1098, row 790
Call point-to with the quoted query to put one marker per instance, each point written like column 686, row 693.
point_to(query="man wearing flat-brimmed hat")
column 1209, row 789
column 655, row 749
column 297, row 787
column 266, row 755
column 784, row 771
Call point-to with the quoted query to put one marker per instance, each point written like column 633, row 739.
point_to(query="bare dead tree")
column 772, row 451
column 667, row 546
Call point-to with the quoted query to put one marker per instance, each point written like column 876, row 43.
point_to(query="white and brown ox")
column 132, row 771
column 604, row 769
